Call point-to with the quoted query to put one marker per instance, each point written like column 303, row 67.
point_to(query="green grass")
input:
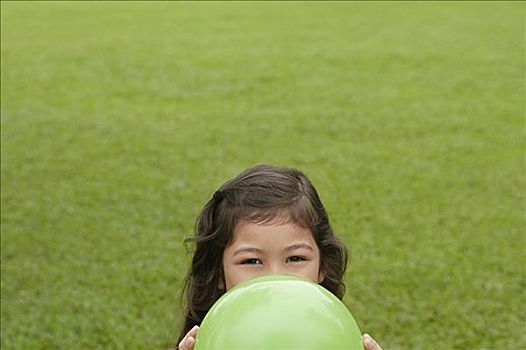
column 119, row 120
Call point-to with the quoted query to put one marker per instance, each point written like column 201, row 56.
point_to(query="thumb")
column 369, row 343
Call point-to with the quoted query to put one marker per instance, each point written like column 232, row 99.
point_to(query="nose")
column 277, row 269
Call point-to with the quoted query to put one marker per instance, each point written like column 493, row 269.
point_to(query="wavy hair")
column 259, row 194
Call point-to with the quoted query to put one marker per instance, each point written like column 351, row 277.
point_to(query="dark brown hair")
column 259, row 194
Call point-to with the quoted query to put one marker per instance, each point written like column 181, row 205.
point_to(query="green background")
column 119, row 119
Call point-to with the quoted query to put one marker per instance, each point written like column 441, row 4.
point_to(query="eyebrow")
column 288, row 249
column 299, row 246
column 247, row 249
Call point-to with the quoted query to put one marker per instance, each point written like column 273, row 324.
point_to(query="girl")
column 267, row 220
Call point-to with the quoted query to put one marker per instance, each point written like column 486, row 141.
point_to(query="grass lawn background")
column 118, row 120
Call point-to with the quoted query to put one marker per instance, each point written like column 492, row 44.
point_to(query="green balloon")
column 278, row 312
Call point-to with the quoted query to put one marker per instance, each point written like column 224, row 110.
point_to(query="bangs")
column 300, row 212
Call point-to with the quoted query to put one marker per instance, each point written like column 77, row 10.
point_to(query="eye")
column 296, row 259
column 253, row 261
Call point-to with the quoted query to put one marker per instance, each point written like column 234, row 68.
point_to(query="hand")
column 369, row 343
column 188, row 341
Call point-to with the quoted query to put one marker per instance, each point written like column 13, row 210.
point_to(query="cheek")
column 235, row 275
column 314, row 271
column 232, row 273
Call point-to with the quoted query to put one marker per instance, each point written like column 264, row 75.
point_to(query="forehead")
column 276, row 233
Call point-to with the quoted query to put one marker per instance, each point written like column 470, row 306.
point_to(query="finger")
column 369, row 343
column 190, row 342
column 181, row 345
column 193, row 331
column 184, row 344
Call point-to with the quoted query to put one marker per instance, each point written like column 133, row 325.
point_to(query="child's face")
column 271, row 248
